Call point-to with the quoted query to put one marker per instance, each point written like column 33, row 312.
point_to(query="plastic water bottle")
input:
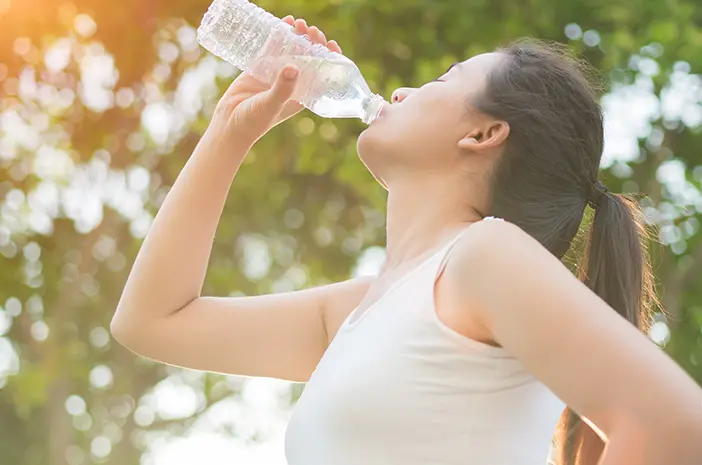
column 255, row 41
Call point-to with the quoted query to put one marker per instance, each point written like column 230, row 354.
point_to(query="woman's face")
column 422, row 128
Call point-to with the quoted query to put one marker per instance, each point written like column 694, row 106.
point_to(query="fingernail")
column 291, row 73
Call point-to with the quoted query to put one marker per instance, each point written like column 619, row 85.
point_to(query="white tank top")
column 396, row 386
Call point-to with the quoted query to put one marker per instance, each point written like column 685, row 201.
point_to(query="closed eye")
column 439, row 79
column 445, row 73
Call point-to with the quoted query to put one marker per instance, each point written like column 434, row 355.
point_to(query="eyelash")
column 445, row 73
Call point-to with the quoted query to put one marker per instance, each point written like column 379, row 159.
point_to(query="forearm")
column 170, row 267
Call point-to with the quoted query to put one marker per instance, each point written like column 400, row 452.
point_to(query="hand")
column 291, row 108
column 251, row 108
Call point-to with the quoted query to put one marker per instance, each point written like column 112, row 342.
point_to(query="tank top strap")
column 446, row 252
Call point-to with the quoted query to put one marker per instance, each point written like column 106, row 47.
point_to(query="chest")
column 393, row 366
column 382, row 287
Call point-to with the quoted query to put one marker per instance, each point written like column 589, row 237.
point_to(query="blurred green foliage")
column 102, row 103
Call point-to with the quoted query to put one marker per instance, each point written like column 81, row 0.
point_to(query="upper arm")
column 592, row 358
column 280, row 335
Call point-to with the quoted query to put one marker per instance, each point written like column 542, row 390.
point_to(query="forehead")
column 480, row 65
column 469, row 76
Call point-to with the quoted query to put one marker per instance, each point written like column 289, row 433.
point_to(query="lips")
column 383, row 111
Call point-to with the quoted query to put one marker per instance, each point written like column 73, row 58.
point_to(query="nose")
column 400, row 94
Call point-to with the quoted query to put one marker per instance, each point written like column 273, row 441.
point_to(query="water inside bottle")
column 330, row 86
column 337, row 88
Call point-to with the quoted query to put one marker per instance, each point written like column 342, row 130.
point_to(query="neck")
column 422, row 216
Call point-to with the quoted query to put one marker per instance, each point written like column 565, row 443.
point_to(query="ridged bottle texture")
column 257, row 42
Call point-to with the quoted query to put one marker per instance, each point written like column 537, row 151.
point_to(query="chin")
column 375, row 139
column 369, row 141
column 363, row 139
column 373, row 152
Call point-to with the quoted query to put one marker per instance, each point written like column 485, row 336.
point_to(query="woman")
column 473, row 338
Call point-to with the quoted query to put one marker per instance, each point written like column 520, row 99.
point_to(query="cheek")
column 421, row 124
column 402, row 137
column 422, row 127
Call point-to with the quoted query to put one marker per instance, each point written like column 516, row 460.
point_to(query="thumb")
column 282, row 89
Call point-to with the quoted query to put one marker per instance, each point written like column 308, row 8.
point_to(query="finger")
column 333, row 46
column 300, row 26
column 289, row 19
column 317, row 35
column 234, row 87
column 282, row 89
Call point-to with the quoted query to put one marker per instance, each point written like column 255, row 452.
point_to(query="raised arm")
column 161, row 313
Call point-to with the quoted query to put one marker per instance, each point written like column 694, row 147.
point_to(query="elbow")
column 119, row 330
column 124, row 330
column 138, row 330
column 131, row 335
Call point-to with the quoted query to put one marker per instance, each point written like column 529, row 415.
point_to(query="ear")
column 491, row 136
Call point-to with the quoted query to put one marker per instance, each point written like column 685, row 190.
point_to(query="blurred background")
column 101, row 103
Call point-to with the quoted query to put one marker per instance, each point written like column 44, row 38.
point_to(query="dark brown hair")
column 546, row 178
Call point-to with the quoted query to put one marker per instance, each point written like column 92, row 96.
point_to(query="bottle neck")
column 372, row 108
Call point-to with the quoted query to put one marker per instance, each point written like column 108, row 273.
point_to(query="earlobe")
column 468, row 143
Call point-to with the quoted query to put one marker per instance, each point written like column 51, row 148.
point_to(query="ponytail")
column 617, row 268
column 545, row 174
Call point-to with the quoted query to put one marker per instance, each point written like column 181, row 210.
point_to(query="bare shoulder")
column 495, row 258
column 493, row 244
